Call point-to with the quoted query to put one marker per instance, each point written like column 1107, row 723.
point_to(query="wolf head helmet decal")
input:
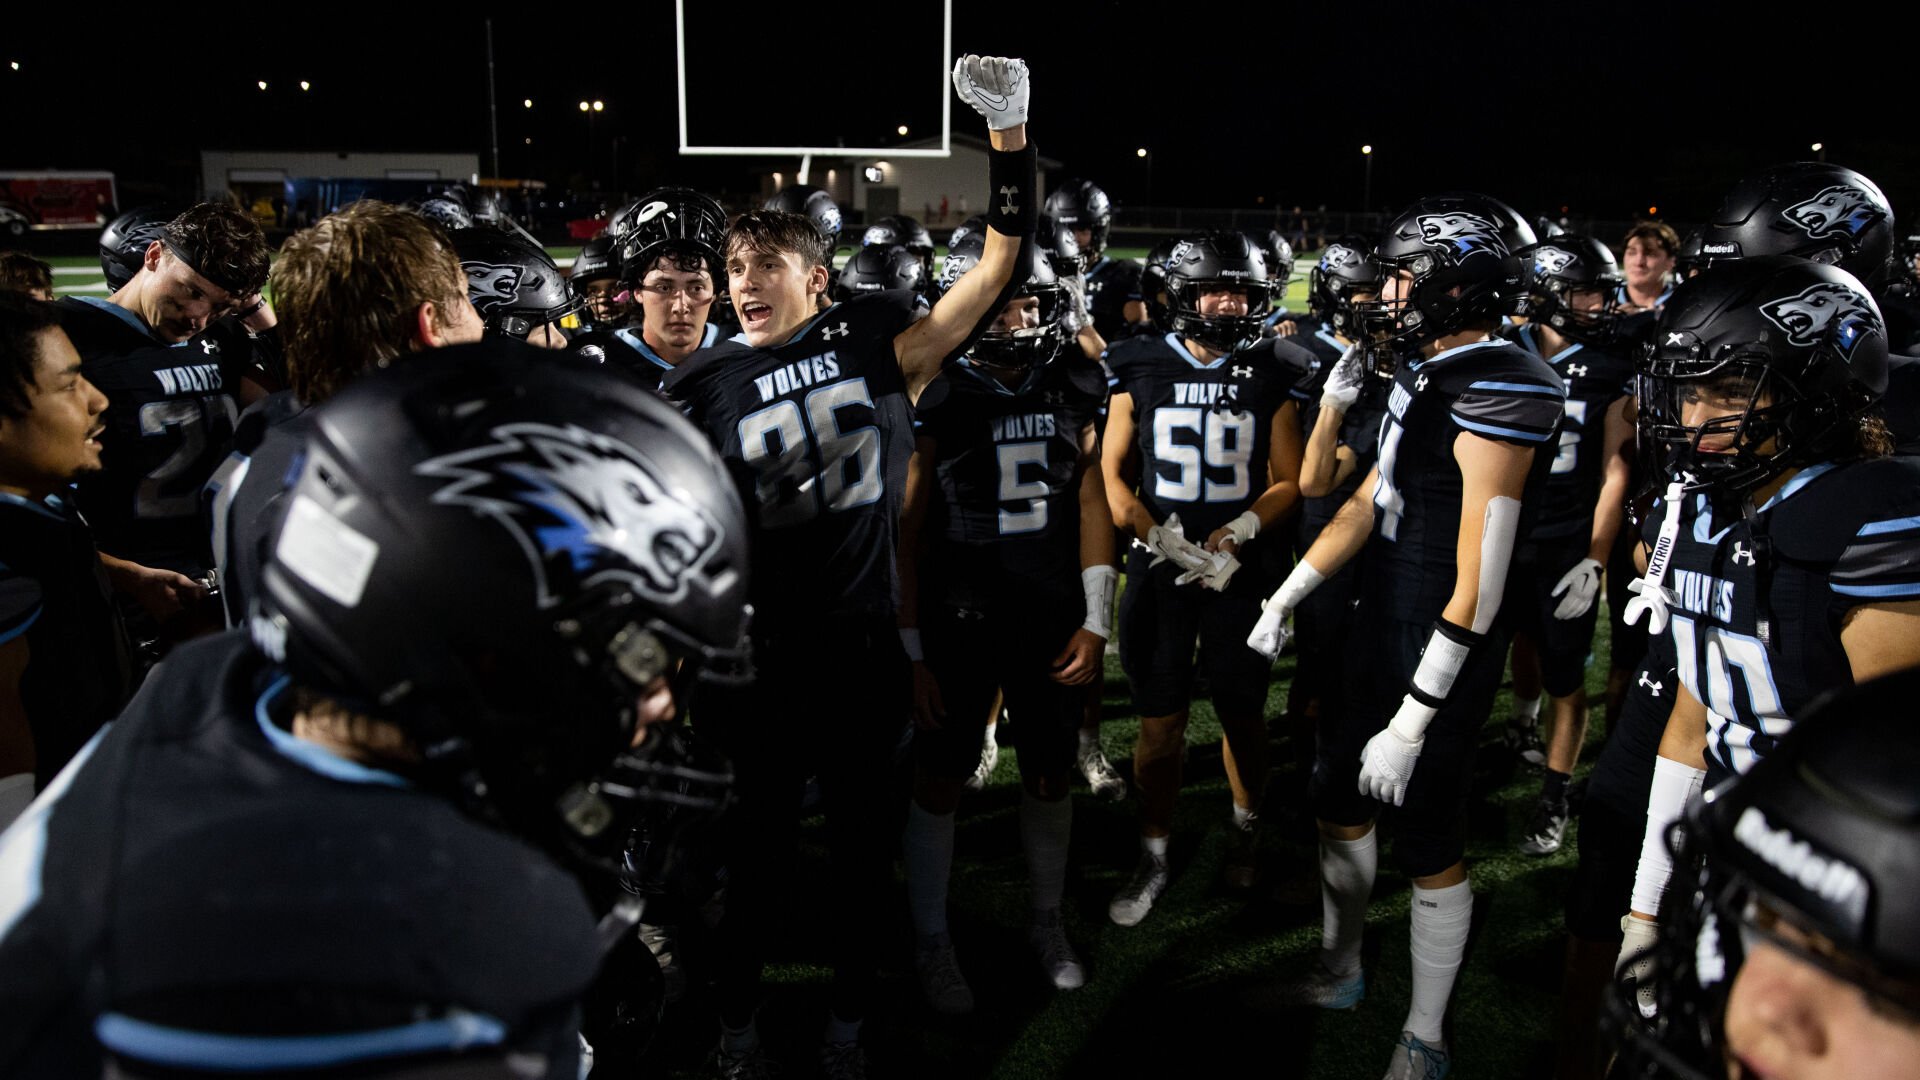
column 1824, row 311
column 585, row 500
column 1841, row 208
column 489, row 286
column 1463, row 234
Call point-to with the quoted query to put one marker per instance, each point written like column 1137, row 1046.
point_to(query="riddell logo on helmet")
column 1728, row 248
column 1838, row 883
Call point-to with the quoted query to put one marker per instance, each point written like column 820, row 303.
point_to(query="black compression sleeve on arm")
column 1013, row 204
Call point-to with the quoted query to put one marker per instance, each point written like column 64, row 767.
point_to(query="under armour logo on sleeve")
column 1652, row 686
column 1742, row 553
column 1243, row 373
column 208, row 346
column 1578, row 371
column 1010, row 207
column 1420, row 383
column 830, row 331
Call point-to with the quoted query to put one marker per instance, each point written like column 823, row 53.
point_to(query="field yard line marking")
column 100, row 288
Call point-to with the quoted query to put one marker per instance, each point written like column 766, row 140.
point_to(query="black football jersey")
column 1007, row 523
column 822, row 431
column 245, row 494
column 170, row 418
column 153, row 901
column 1111, row 285
column 1490, row 388
column 1323, row 351
column 1594, row 379
column 53, row 592
column 1900, row 405
column 1758, row 601
column 1203, row 432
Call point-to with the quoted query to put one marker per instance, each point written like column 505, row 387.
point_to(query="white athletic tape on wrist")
column 1245, row 527
column 1674, row 785
column 1099, row 583
column 1296, row 588
column 910, row 641
column 1498, row 531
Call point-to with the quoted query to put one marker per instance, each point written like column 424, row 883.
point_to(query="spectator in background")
column 64, row 667
column 1650, row 250
column 22, row 273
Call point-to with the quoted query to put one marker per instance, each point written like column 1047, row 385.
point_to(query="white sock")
column 1441, row 918
column 927, row 850
column 1045, row 828
column 842, row 1031
column 1155, row 846
column 1242, row 817
column 1526, row 713
column 1347, row 868
column 740, row 1041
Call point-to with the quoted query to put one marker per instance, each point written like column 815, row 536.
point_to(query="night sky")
column 1543, row 105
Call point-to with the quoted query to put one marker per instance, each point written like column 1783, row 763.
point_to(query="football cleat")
column 659, row 941
column 1416, row 1060
column 1525, row 743
column 989, row 757
column 945, row 987
column 752, row 1065
column 843, row 1061
column 1102, row 778
column 1547, row 829
column 1136, row 899
column 1048, row 936
column 1319, row 988
column 1242, row 862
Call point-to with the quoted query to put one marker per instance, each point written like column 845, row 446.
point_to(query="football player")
column 1790, row 952
column 362, row 288
column 442, row 799
column 877, row 268
column 22, row 273
column 1463, row 456
column 1787, row 545
column 813, row 407
column 899, row 230
column 1113, row 285
column 63, row 653
column 174, row 387
column 1651, row 248
column 815, row 205
column 1205, row 417
column 1012, row 583
column 1572, row 324
column 670, row 242
column 595, row 279
column 517, row 287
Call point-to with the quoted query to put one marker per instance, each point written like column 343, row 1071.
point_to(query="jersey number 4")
column 1217, row 441
column 814, row 458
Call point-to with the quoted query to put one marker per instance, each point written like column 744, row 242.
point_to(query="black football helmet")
column 1815, row 851
column 1827, row 213
column 1574, row 286
column 1344, row 270
column 499, row 551
column 671, row 215
column 1799, row 347
column 1279, row 256
column 1210, row 260
column 1153, row 284
column 598, row 258
column 975, row 224
column 447, row 212
column 1055, row 240
column 814, row 204
column 1082, row 205
column 904, row 231
column 1459, row 250
column 123, row 243
column 873, row 269
column 1028, row 348
column 514, row 284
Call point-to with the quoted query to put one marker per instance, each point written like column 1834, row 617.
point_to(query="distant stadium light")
column 875, row 174
column 15, row 65
column 529, row 140
column 599, row 106
column 902, row 129
column 1142, row 152
column 262, row 84
column 1817, row 147
column 1367, row 149
column 526, row 103
column 305, row 85
column 1653, row 209
column 584, row 106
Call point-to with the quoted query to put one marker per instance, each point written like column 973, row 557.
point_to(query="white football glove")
column 1270, row 633
column 1386, row 765
column 1650, row 599
column 1637, row 939
column 1166, row 541
column 1581, row 584
column 1343, row 383
column 995, row 87
column 1219, row 570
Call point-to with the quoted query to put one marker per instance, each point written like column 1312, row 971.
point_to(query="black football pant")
column 828, row 701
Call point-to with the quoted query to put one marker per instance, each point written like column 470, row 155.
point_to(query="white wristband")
column 1674, row 784
column 1099, row 583
column 910, row 641
column 1302, row 581
column 1244, row 528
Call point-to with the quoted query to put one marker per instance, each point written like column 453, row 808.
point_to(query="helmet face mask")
column 665, row 216
column 1449, row 263
column 1040, row 334
column 1574, row 288
column 1342, row 277
column 1079, row 204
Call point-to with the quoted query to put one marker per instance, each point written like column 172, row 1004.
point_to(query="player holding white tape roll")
column 1459, row 469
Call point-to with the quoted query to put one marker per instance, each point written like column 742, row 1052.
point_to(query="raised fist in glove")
column 1580, row 584
column 1344, row 381
column 996, row 87
column 1386, row 765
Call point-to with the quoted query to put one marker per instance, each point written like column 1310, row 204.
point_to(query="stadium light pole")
column 1366, row 187
column 1147, row 156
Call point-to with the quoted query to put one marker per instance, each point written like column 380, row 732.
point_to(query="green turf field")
column 1179, row 995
